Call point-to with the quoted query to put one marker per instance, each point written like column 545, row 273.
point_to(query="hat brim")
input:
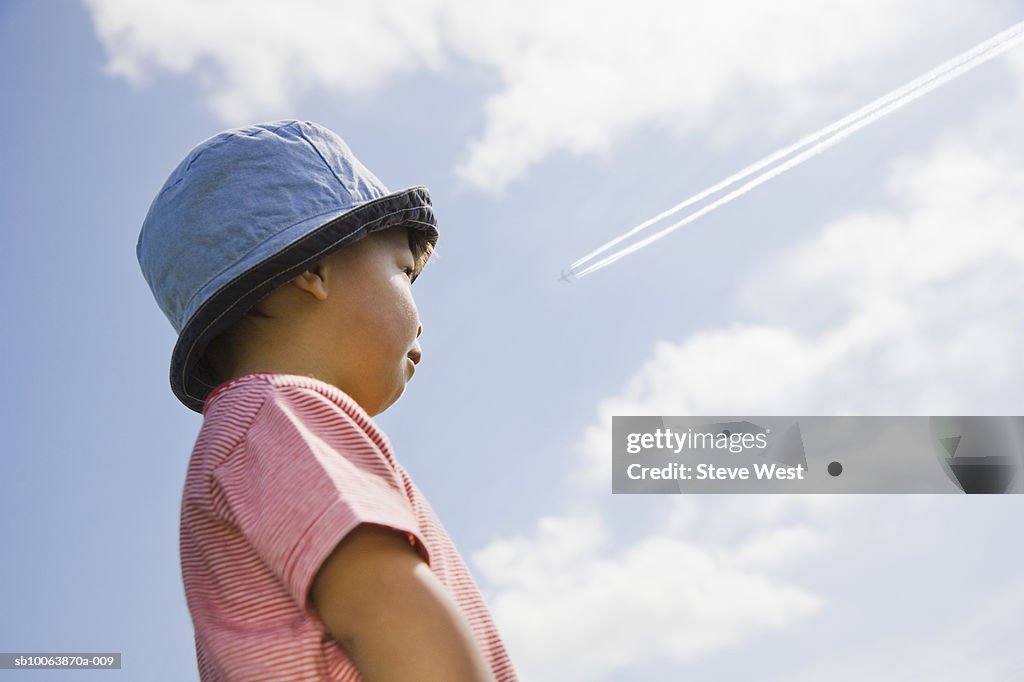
column 191, row 380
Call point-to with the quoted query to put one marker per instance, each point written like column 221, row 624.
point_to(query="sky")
column 880, row 278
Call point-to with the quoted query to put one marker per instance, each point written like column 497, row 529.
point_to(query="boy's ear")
column 312, row 281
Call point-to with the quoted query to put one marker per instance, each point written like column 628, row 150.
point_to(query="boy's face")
column 369, row 325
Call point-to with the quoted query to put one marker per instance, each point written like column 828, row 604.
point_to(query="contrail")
column 819, row 141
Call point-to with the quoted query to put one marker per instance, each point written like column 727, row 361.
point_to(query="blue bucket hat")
column 246, row 211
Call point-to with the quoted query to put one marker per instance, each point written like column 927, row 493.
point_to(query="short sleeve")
column 304, row 475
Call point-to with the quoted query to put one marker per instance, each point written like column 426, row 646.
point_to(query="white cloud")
column 574, row 76
column 572, row 605
column 255, row 59
column 578, row 78
column 570, row 609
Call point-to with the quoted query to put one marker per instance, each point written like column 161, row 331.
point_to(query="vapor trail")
column 819, row 141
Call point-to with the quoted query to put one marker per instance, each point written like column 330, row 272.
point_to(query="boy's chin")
column 384, row 404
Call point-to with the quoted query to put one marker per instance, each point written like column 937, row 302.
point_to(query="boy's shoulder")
column 266, row 422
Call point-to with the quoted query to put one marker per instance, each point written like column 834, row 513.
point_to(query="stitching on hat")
column 236, row 133
column 320, row 154
column 218, row 143
column 191, row 350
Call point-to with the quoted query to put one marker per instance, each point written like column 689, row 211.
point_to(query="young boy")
column 307, row 551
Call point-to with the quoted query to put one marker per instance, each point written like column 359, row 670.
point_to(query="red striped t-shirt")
column 283, row 468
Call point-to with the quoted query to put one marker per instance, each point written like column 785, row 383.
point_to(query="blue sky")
column 879, row 278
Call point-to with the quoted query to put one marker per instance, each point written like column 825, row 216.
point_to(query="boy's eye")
column 408, row 271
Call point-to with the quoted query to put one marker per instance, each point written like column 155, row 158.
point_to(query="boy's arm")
column 384, row 605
